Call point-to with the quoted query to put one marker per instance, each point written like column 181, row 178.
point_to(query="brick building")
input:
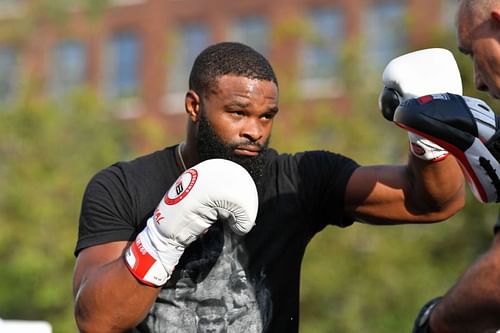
column 139, row 52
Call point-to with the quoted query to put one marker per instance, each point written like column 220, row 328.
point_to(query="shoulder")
column 145, row 165
column 119, row 198
column 154, row 161
column 309, row 171
column 147, row 172
column 306, row 161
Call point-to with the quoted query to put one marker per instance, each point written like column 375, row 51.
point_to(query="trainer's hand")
column 213, row 190
column 465, row 126
column 423, row 72
column 421, row 324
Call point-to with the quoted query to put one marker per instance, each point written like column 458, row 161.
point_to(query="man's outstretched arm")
column 430, row 187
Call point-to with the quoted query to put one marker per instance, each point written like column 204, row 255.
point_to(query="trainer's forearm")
column 110, row 299
column 473, row 304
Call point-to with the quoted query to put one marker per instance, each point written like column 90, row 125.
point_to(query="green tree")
column 375, row 279
column 48, row 152
column 363, row 278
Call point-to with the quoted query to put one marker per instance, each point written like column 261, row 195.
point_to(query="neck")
column 189, row 152
column 180, row 158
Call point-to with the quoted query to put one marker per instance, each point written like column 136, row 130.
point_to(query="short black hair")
column 228, row 58
column 211, row 303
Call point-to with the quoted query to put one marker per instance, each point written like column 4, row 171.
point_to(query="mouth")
column 247, row 150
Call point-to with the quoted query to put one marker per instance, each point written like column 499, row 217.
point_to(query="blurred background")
column 86, row 83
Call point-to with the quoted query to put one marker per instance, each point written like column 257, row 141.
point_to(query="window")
column 12, row 8
column 321, row 53
column 448, row 11
column 252, row 31
column 68, row 67
column 385, row 33
column 8, row 72
column 122, row 65
column 126, row 2
column 189, row 41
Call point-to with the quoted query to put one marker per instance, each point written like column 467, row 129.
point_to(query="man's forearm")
column 473, row 304
column 437, row 187
column 110, row 299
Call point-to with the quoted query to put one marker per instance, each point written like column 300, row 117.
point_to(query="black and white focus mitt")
column 418, row 73
column 467, row 128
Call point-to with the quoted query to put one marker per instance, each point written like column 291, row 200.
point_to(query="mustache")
column 248, row 144
column 253, row 145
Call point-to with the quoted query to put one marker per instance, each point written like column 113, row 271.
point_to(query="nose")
column 252, row 130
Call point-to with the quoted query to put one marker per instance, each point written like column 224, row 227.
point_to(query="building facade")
column 138, row 53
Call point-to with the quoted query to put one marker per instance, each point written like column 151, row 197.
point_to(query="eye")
column 238, row 114
column 269, row 115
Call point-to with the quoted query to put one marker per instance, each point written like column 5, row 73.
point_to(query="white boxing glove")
column 212, row 190
column 415, row 74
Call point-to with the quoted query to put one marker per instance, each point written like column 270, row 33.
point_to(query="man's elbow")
column 84, row 321
column 436, row 208
column 442, row 211
column 87, row 322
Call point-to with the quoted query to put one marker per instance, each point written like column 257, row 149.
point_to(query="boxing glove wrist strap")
column 426, row 149
column 150, row 264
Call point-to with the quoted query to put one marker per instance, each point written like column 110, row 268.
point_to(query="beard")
column 209, row 146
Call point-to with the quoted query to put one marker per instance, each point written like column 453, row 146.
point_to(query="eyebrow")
column 238, row 104
column 273, row 110
column 243, row 105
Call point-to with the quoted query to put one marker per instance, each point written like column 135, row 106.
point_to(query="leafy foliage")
column 360, row 279
column 48, row 153
column 371, row 278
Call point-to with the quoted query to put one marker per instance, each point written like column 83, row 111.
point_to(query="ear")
column 192, row 105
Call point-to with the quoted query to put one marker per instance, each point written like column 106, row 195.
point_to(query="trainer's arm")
column 473, row 304
column 108, row 298
column 420, row 191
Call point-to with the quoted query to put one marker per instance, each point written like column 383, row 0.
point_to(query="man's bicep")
column 93, row 258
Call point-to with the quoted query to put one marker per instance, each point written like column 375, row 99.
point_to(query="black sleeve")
column 324, row 177
column 106, row 212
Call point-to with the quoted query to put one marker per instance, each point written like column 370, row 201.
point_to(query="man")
column 132, row 250
column 211, row 316
column 472, row 305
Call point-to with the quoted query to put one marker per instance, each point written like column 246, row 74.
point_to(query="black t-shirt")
column 251, row 281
